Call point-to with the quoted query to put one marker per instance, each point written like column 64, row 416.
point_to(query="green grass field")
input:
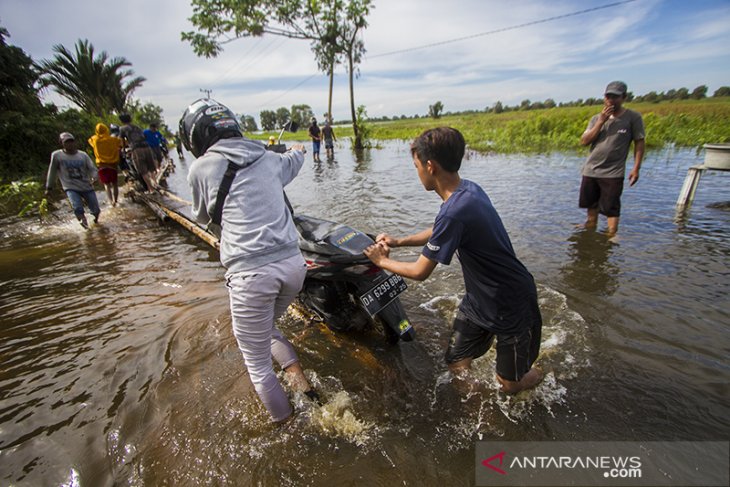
column 687, row 123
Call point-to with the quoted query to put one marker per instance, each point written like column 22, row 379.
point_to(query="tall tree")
column 301, row 114
column 282, row 116
column 435, row 110
column 248, row 123
column 94, row 83
column 331, row 26
column 268, row 119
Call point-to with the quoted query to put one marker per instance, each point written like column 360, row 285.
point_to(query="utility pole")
column 207, row 93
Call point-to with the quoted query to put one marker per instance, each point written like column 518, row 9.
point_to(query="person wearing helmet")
column 272, row 140
column 315, row 135
column 238, row 191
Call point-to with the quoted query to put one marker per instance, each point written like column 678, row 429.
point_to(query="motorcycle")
column 342, row 287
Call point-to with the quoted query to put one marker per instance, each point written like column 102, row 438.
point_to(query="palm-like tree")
column 98, row 84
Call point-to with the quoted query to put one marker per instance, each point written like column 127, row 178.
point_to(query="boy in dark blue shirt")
column 501, row 297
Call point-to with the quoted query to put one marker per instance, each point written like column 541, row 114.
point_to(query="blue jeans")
column 315, row 146
column 76, row 198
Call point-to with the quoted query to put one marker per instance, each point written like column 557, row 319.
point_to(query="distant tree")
column 699, row 93
column 94, row 83
column 144, row 115
column 537, row 105
column 248, row 123
column 301, row 114
column 651, row 97
column 434, row 111
column 549, row 103
column 282, row 116
column 525, row 104
column 333, row 27
column 722, row 91
column 498, row 108
column 669, row 95
column 682, row 94
column 268, row 119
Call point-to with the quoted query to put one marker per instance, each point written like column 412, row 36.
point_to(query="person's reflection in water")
column 590, row 268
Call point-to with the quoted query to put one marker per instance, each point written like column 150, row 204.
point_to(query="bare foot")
column 528, row 381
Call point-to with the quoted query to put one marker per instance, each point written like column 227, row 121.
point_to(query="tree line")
column 99, row 85
column 437, row 109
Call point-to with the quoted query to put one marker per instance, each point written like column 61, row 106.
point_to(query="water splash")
column 337, row 416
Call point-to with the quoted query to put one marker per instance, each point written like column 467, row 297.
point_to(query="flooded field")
column 118, row 365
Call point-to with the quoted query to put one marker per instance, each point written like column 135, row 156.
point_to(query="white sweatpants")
column 258, row 298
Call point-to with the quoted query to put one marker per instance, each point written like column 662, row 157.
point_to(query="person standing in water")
column 329, row 139
column 77, row 172
column 238, row 188
column 610, row 134
column 107, row 150
column 316, row 135
column 501, row 298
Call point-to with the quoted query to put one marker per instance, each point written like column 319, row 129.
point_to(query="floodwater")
column 118, row 366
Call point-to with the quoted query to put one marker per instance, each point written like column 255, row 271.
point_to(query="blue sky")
column 650, row 44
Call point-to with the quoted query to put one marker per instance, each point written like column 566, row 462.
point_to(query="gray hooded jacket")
column 257, row 227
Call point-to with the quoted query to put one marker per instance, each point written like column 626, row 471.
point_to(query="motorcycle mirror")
column 291, row 126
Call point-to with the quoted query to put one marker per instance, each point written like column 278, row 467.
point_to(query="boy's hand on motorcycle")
column 377, row 252
column 386, row 239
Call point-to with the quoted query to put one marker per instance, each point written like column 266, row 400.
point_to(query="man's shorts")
column 107, row 175
column 315, row 146
column 601, row 193
column 157, row 151
column 328, row 144
column 515, row 353
column 143, row 160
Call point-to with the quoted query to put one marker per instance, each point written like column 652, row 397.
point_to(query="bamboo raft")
column 168, row 206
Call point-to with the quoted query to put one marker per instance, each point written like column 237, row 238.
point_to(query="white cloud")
column 649, row 43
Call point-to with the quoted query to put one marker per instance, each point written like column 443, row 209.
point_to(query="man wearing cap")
column 77, row 172
column 610, row 134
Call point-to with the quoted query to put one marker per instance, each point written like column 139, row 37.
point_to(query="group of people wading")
column 114, row 148
column 239, row 187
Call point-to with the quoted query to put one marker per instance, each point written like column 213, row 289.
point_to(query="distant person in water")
column 77, row 172
column 610, row 134
column 501, row 298
column 316, row 135
column 329, row 139
column 107, row 150
column 178, row 146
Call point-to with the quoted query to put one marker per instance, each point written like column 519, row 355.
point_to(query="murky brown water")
column 118, row 367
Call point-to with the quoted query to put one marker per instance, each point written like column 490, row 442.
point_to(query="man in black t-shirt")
column 316, row 136
column 501, row 298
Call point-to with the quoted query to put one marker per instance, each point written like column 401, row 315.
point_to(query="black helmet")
column 204, row 123
column 113, row 129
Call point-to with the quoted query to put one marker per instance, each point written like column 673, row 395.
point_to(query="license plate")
column 380, row 295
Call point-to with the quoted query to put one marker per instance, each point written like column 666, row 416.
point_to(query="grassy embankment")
column 688, row 123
